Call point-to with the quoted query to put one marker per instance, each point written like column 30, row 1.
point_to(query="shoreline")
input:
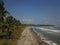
column 31, row 37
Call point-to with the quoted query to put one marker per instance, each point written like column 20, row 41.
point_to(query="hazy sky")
column 35, row 11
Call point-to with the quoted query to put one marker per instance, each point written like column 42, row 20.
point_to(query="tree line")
column 8, row 24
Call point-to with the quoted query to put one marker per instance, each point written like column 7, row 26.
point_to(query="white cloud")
column 27, row 21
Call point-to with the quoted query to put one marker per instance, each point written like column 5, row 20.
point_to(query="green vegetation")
column 10, row 27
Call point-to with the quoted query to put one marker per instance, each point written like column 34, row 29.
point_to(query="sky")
column 35, row 11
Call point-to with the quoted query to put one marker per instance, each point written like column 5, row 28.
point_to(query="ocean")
column 50, row 35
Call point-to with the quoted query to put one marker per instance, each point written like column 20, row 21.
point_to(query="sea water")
column 51, row 36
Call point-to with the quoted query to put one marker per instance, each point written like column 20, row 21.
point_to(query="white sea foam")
column 49, row 30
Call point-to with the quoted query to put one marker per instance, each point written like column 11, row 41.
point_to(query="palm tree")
column 12, row 21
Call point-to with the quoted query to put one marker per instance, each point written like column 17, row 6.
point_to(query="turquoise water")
column 54, row 37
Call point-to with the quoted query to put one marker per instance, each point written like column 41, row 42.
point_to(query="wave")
column 50, row 30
